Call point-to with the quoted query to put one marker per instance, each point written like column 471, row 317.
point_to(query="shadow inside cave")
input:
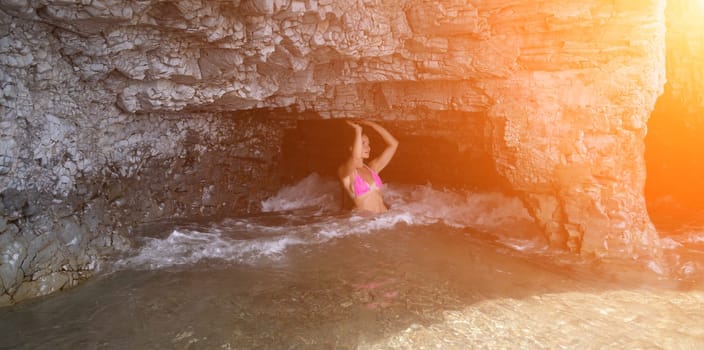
column 674, row 149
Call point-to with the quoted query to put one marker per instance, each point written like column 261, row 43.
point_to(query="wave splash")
column 308, row 212
column 311, row 192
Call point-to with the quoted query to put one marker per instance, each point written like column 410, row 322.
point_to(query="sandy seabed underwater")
column 443, row 269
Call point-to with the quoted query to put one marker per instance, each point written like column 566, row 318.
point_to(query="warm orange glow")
column 674, row 143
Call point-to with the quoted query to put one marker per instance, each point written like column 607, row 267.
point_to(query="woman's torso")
column 367, row 186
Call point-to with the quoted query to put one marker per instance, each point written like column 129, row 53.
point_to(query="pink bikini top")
column 361, row 187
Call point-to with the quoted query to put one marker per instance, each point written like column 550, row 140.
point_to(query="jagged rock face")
column 333, row 57
column 561, row 92
column 77, row 174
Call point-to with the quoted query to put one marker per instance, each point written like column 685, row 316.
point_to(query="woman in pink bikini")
column 361, row 181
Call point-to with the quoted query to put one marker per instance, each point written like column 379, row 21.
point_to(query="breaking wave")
column 308, row 212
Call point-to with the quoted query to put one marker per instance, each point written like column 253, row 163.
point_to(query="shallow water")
column 442, row 269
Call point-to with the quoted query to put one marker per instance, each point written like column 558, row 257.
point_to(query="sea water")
column 443, row 268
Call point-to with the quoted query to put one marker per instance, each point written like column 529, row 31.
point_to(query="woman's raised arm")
column 357, row 144
column 354, row 161
column 380, row 162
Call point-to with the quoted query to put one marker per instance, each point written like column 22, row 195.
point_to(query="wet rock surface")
column 78, row 173
column 51, row 240
column 118, row 112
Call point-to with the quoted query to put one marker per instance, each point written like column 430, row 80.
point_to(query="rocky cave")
column 116, row 113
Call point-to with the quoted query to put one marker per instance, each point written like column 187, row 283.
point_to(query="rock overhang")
column 563, row 90
column 554, row 97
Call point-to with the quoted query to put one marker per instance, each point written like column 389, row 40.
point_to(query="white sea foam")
column 312, row 191
column 687, row 235
column 695, row 236
column 304, row 214
column 189, row 247
column 524, row 244
column 669, row 243
column 459, row 209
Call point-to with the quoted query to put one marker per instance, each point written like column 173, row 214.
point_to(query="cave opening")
column 674, row 149
column 673, row 145
column 429, row 153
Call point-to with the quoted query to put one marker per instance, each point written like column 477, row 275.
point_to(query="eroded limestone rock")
column 78, row 173
column 101, row 98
